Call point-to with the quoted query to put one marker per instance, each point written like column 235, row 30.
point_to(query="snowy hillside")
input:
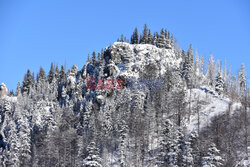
column 143, row 103
column 210, row 105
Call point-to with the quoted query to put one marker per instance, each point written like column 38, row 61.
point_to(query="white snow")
column 216, row 105
column 141, row 55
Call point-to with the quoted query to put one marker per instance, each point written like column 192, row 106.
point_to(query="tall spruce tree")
column 93, row 159
column 211, row 71
column 135, row 37
column 219, row 83
column 27, row 82
column 144, row 39
column 150, row 37
column 51, row 73
column 161, row 43
column 242, row 79
column 187, row 69
column 212, row 158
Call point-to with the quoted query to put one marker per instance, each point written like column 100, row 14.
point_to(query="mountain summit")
column 143, row 103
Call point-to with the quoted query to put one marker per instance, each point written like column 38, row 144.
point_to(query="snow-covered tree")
column 123, row 144
column 155, row 39
column 212, row 158
column 211, row 71
column 219, row 83
column 161, row 43
column 135, row 37
column 144, row 39
column 51, row 75
column 242, row 79
column 27, row 82
column 187, row 69
column 41, row 76
column 150, row 37
column 93, row 159
column 14, row 142
column 25, row 142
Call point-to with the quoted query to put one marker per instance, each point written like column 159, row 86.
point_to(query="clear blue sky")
column 34, row 33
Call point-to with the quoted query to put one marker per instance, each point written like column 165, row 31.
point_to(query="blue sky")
column 34, row 33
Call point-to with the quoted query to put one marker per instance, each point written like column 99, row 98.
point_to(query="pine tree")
column 190, row 53
column 24, row 136
column 242, row 80
column 155, row 39
column 212, row 158
column 144, row 39
column 187, row 71
column 211, row 71
column 168, row 41
column 123, row 144
column 93, row 57
column 93, row 159
column 135, row 37
column 62, row 75
column 51, row 73
column 219, row 83
column 201, row 65
column 150, row 37
column 188, row 158
column 161, row 43
column 81, row 151
column 168, row 146
column 41, row 76
column 13, row 140
column 27, row 82
column 166, row 33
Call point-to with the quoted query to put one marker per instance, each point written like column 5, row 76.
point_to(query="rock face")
column 137, row 60
column 3, row 90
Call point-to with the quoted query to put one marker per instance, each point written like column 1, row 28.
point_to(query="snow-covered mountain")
column 147, row 104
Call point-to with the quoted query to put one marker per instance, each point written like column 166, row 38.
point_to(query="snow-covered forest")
column 173, row 108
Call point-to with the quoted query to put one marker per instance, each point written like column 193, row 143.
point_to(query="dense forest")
column 150, row 104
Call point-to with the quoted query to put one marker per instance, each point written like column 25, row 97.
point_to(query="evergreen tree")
column 168, row 41
column 135, row 37
column 211, row 71
column 41, row 76
column 93, row 57
column 57, row 73
column 155, row 39
column 242, row 80
column 190, row 54
column 187, row 71
column 93, row 159
column 219, row 83
column 123, row 144
column 13, row 140
column 166, row 33
column 201, row 65
column 25, row 141
column 161, row 43
column 27, row 82
column 144, row 39
column 51, row 73
column 168, row 146
column 150, row 37
column 212, row 158
column 62, row 75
